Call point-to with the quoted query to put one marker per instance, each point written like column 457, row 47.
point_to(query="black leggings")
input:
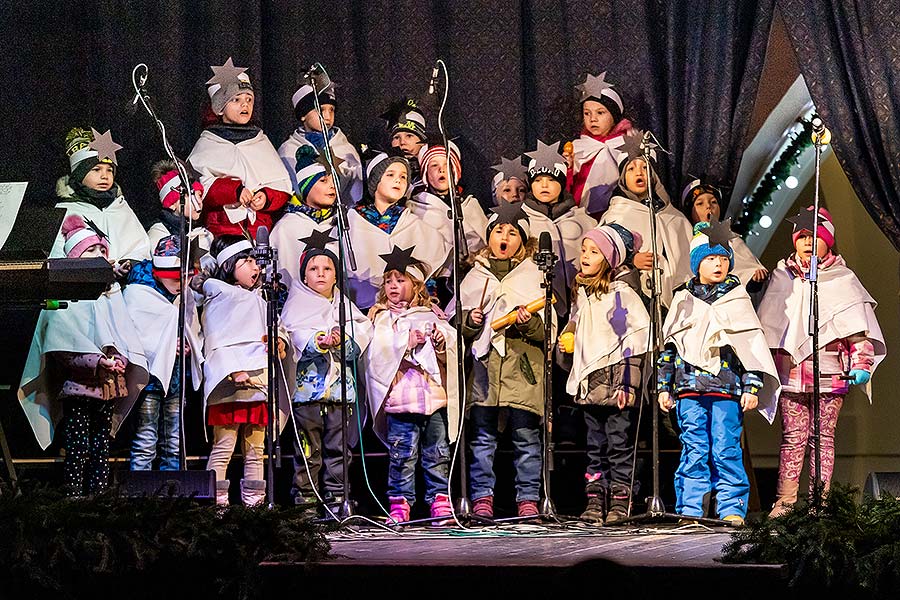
column 86, row 467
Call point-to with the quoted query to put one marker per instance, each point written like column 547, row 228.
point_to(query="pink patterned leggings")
column 796, row 435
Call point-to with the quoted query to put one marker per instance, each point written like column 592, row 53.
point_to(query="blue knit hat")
column 702, row 246
column 309, row 170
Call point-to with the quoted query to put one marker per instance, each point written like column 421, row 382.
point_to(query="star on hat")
column 803, row 221
column 318, row 239
column 546, row 156
column 337, row 160
column 104, row 145
column 720, row 233
column 399, row 259
column 511, row 167
column 593, row 86
column 633, row 147
column 96, row 229
column 225, row 74
column 509, row 212
column 398, row 109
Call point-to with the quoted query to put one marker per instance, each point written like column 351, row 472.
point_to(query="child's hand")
column 643, row 261
column 246, row 197
column 760, row 274
column 749, row 401
column 120, row 268
column 624, row 399
column 113, row 365
column 566, row 342
column 522, row 315
column 259, row 200
column 416, row 339
column 665, row 401
column 279, row 344
column 438, row 339
column 476, row 315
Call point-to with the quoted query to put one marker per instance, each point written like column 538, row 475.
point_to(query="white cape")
column 156, row 322
column 608, row 330
column 745, row 262
column 475, row 221
column 520, row 286
column 698, row 330
column 126, row 235
column 673, row 240
column 603, row 178
column 351, row 171
column 286, row 236
column 88, row 326
column 418, row 226
column 389, row 346
column 845, row 308
column 254, row 162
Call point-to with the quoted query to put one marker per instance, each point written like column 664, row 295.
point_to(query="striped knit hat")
column 309, row 170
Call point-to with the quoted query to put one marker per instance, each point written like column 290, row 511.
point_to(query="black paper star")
column 318, row 239
column 397, row 110
column 633, row 146
column 399, row 259
column 546, row 157
column 593, row 86
column 803, row 221
column 96, row 229
column 720, row 233
column 511, row 167
column 225, row 74
column 509, row 212
column 337, row 160
column 104, row 145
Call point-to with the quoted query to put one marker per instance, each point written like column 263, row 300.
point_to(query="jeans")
column 610, row 443
column 408, row 432
column 525, row 429
column 155, row 433
column 711, row 457
column 319, row 428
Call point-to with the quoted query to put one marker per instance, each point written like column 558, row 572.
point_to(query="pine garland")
column 846, row 547
column 52, row 546
column 780, row 170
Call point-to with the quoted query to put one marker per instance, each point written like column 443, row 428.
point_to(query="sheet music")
column 11, row 195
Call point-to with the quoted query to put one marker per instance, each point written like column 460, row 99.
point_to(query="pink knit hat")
column 616, row 243
column 825, row 229
column 80, row 237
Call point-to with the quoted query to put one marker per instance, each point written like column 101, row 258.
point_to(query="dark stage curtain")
column 687, row 70
column 849, row 54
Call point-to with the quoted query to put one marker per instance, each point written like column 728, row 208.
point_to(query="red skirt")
column 236, row 413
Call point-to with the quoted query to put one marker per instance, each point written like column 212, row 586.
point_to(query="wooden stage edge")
column 525, row 561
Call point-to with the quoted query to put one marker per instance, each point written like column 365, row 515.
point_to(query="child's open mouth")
column 503, row 247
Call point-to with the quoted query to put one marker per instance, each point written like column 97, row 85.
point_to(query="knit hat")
column 309, row 170
column 401, row 260
column 81, row 234
column 304, row 101
column 87, row 148
column 596, row 88
column 616, row 243
column 226, row 82
column 693, row 190
column 429, row 152
column 168, row 182
column 167, row 258
column 405, row 115
column 316, row 245
column 512, row 214
column 376, row 168
column 711, row 240
column 508, row 169
column 547, row 160
column 803, row 222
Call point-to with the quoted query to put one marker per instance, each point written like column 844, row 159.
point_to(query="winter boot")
column 528, row 509
column 253, row 491
column 484, row 507
column 222, row 492
column 399, row 511
column 618, row 504
column 441, row 509
column 787, row 497
column 597, row 504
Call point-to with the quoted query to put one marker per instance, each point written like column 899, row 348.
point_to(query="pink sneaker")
column 441, row 508
column 484, row 507
column 399, row 511
column 528, row 508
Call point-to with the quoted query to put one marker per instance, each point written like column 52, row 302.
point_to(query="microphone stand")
column 184, row 191
column 345, row 255
column 463, row 508
column 814, row 328
column 546, row 261
column 267, row 257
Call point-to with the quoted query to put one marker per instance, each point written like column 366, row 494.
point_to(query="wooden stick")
column 483, row 292
column 510, row 318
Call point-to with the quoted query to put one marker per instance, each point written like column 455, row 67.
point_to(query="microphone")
column 317, row 77
column 261, row 252
column 544, row 242
column 545, row 258
column 820, row 134
column 818, row 126
column 139, row 87
column 433, row 81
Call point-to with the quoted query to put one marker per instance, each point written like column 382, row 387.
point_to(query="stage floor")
column 522, row 560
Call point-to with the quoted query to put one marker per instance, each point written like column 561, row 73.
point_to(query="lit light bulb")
column 791, row 182
column 765, row 221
